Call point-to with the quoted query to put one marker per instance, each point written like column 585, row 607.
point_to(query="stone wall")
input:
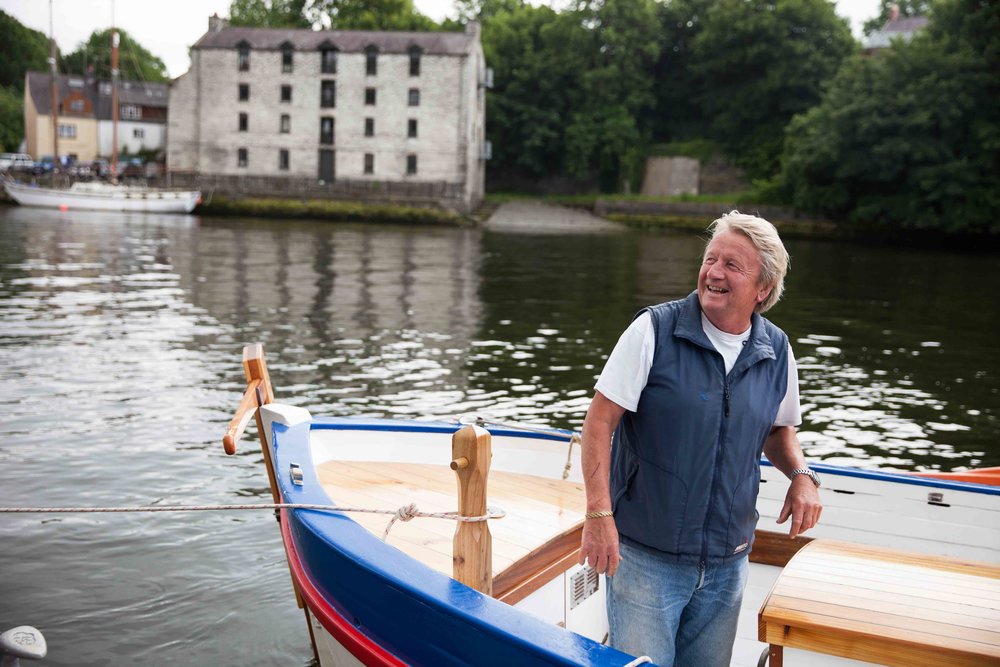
column 670, row 176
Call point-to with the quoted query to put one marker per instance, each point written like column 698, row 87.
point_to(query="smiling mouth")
column 716, row 290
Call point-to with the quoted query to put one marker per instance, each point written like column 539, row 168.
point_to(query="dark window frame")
column 284, row 159
column 328, row 61
column 242, row 157
column 369, row 163
column 411, row 128
column 327, row 138
column 287, row 59
column 285, row 124
column 413, row 97
column 370, row 97
column 369, row 127
column 244, row 92
column 244, row 122
column 243, row 58
column 411, row 164
column 286, row 93
column 415, row 55
column 371, row 61
column 328, row 100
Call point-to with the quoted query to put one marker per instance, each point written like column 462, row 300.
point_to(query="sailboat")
column 102, row 196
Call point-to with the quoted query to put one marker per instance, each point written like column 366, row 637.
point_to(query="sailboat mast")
column 114, row 101
column 54, row 92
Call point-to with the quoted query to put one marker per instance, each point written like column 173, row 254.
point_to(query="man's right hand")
column 599, row 546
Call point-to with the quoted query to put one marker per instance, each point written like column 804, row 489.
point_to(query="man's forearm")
column 783, row 450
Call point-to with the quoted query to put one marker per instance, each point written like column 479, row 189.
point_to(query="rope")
column 404, row 513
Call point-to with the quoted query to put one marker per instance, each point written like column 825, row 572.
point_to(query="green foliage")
column 21, row 49
column 324, row 209
column 370, row 15
column 759, row 63
column 909, row 139
column 268, row 13
column 134, row 62
column 11, row 118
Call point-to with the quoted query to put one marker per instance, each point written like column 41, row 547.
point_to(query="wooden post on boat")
column 473, row 545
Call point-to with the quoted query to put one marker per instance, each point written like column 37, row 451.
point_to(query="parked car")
column 16, row 162
column 100, row 168
column 131, row 167
column 80, row 170
column 44, row 165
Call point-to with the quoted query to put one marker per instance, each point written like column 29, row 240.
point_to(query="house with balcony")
column 332, row 113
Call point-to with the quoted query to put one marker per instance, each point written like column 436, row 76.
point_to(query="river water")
column 120, row 344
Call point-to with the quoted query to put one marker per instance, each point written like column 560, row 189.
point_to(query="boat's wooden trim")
column 771, row 548
column 542, row 565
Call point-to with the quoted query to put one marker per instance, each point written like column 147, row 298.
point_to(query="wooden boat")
column 509, row 591
column 104, row 197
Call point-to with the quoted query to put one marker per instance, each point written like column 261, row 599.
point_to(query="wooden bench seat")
column 542, row 524
column 884, row 606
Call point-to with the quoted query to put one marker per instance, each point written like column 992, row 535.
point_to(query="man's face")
column 729, row 282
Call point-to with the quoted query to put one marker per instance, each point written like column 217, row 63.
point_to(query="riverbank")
column 329, row 209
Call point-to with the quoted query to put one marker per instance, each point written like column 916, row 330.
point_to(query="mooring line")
column 404, row 513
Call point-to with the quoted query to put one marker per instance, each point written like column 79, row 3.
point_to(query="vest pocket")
column 651, row 508
column 743, row 514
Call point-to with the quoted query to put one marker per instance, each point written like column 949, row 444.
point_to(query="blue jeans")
column 673, row 612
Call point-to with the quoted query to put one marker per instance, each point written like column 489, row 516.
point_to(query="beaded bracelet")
column 598, row 515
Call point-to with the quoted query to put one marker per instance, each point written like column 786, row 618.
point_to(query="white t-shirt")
column 627, row 369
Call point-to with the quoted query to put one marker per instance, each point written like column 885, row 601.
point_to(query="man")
column 692, row 394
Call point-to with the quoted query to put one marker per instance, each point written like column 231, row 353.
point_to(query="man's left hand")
column 802, row 504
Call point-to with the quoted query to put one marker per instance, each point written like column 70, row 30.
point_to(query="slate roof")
column 347, row 41
column 129, row 92
column 902, row 28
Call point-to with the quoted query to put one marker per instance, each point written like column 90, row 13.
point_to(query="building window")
column 326, row 130
column 243, row 58
column 286, row 58
column 369, row 163
column 370, row 97
column 328, row 94
column 138, row 133
column 411, row 164
column 244, row 122
column 76, row 105
column 286, row 93
column 371, row 61
column 67, row 131
column 283, row 159
column 415, row 61
column 286, row 123
column 369, row 127
column 411, row 128
column 241, row 157
column 244, row 92
column 328, row 61
column 131, row 112
column 413, row 99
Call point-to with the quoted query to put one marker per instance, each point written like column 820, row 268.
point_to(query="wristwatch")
column 811, row 474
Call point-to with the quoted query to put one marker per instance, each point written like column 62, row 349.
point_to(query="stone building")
column 370, row 115
column 84, row 120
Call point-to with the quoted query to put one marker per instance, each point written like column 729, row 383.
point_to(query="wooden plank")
column 771, row 548
column 534, row 570
column 885, row 606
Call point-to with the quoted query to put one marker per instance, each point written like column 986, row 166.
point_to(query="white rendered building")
column 334, row 113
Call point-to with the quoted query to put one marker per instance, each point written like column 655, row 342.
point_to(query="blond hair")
column 771, row 251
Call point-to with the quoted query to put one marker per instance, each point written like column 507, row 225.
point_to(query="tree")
column 757, row 64
column 21, row 49
column 269, row 13
column 134, row 62
column 370, row 15
column 909, row 139
column 11, row 118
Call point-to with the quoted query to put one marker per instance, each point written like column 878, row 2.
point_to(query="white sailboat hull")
column 101, row 197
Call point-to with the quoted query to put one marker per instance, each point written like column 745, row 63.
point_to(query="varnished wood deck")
column 884, row 606
column 540, row 511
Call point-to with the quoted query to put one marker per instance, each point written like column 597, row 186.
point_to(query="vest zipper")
column 725, row 398
column 715, row 471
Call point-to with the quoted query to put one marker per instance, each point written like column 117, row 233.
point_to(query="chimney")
column 472, row 29
column 893, row 12
column 216, row 24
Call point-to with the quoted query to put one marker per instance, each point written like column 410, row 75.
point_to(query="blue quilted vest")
column 685, row 466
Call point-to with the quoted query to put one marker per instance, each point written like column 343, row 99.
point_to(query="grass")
column 329, row 209
column 590, row 198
